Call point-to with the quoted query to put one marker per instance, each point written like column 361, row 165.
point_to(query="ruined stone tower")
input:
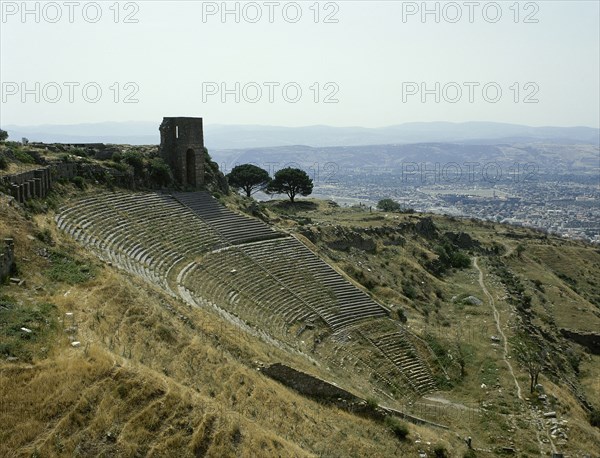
column 182, row 147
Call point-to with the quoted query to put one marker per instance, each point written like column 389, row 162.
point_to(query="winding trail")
column 498, row 327
column 534, row 416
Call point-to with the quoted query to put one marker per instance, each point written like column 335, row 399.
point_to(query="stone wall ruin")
column 182, row 147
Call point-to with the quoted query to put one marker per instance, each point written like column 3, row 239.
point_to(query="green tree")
column 135, row 159
column 388, row 205
column 292, row 182
column 249, row 178
column 159, row 172
column 533, row 358
column 3, row 135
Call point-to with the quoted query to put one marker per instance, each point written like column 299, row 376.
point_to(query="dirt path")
column 498, row 327
column 535, row 417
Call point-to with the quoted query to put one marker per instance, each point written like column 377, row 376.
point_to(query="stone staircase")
column 233, row 227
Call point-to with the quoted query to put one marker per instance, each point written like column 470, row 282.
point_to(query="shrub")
column 79, row 182
column 440, row 451
column 401, row 315
column 595, row 418
column 45, row 236
column 399, row 428
column 372, row 403
column 3, row 162
column 22, row 156
column 388, row 205
column 409, row 290
column 135, row 159
column 79, row 152
column 117, row 157
column 159, row 172
column 36, row 206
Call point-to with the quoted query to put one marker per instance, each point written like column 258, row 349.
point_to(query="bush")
column 120, row 166
column 159, row 172
column 372, row 403
column 117, row 157
column 79, row 152
column 24, row 157
column 79, row 182
column 45, row 236
column 3, row 162
column 401, row 315
column 440, row 452
column 135, row 159
column 388, row 205
column 399, row 428
column 409, row 290
column 595, row 418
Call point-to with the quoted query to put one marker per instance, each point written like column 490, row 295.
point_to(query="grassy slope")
column 152, row 376
column 155, row 376
column 560, row 276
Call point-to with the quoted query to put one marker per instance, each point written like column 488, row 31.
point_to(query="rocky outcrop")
column 462, row 240
column 589, row 340
column 347, row 238
column 307, row 384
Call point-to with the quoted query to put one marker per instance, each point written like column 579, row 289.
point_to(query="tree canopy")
column 249, row 178
column 292, row 182
column 3, row 135
column 388, row 205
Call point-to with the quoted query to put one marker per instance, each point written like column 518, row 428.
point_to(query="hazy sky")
column 284, row 60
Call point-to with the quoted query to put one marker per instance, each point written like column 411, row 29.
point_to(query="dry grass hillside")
column 154, row 376
column 151, row 376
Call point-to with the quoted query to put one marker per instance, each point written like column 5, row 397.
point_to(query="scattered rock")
column 76, row 344
column 27, row 330
column 539, row 388
column 473, row 300
column 550, row 414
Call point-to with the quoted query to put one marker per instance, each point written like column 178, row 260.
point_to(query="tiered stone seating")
column 247, row 271
column 234, row 227
column 335, row 299
column 404, row 355
column 145, row 234
column 398, row 347
column 234, row 280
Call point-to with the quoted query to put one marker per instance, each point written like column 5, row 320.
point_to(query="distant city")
column 564, row 204
column 570, row 209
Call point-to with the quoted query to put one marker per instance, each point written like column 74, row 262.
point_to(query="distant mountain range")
column 218, row 136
